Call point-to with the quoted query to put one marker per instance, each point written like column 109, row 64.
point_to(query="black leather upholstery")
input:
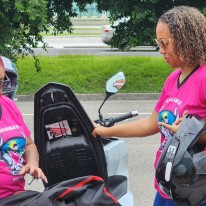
column 62, row 133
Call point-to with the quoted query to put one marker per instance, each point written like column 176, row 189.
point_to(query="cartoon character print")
column 11, row 152
column 167, row 117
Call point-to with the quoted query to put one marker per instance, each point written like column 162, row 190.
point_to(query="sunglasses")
column 5, row 82
column 163, row 43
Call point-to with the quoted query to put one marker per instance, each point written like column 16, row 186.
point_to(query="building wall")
column 91, row 12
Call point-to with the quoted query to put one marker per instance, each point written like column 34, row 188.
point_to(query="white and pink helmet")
column 11, row 87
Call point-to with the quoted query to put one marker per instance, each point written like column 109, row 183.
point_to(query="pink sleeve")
column 160, row 101
column 163, row 95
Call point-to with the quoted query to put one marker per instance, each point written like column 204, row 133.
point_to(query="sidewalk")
column 93, row 97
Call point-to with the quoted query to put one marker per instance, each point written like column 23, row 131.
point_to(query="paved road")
column 88, row 45
column 141, row 151
column 73, row 41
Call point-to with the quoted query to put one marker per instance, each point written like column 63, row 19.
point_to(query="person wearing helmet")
column 10, row 88
column 18, row 153
column 181, row 38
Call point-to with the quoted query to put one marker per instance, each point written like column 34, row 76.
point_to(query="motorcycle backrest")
column 62, row 133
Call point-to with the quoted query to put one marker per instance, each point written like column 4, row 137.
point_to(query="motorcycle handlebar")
column 108, row 122
column 125, row 116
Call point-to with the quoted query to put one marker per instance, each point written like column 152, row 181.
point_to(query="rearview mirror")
column 115, row 83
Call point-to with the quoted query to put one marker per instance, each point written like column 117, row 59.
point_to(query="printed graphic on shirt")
column 10, row 128
column 11, row 152
column 166, row 117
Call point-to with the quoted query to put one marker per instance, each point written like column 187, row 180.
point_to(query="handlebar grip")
column 125, row 116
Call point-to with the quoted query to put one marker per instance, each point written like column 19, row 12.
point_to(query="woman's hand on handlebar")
column 99, row 131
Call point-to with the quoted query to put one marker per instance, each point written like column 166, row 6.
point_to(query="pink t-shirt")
column 13, row 136
column 175, row 99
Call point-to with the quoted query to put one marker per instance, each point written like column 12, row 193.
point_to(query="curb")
column 90, row 97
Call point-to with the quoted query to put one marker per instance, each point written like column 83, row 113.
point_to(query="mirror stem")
column 100, row 115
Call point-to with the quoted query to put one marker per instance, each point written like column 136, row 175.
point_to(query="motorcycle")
column 67, row 150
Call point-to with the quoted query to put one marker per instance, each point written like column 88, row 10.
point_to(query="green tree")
column 22, row 22
column 140, row 29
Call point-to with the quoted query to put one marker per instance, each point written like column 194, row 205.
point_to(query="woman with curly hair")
column 181, row 37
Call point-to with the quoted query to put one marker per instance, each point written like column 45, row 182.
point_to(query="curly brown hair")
column 188, row 29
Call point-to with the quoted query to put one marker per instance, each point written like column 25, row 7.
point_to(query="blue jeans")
column 161, row 201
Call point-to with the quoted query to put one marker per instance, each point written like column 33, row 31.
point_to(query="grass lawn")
column 88, row 74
